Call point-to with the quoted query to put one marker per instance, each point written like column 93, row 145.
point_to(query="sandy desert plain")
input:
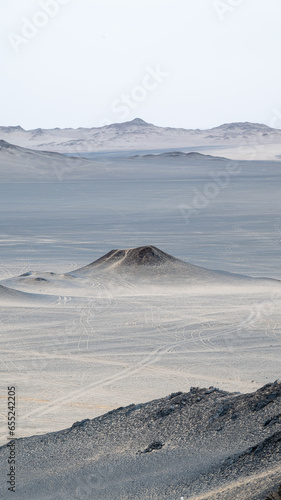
column 140, row 293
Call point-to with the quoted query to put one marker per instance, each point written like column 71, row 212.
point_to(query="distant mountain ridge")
column 138, row 134
column 138, row 122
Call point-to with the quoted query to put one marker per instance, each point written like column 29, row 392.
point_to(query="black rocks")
column 274, row 420
column 156, row 445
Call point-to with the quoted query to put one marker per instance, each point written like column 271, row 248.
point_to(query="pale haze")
column 217, row 64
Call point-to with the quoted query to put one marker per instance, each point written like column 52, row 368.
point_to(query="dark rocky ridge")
column 205, row 441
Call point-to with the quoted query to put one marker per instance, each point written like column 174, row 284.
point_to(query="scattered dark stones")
column 196, row 395
column 182, row 422
column 111, row 412
column 174, row 394
column 274, row 495
column 269, row 398
column 254, row 402
column 223, row 410
column 275, row 438
column 267, row 447
column 266, row 395
column 273, row 420
column 211, row 390
column 164, row 412
column 194, row 390
column 131, row 408
column 156, row 445
column 80, row 424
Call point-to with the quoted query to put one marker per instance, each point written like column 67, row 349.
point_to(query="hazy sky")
column 180, row 63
